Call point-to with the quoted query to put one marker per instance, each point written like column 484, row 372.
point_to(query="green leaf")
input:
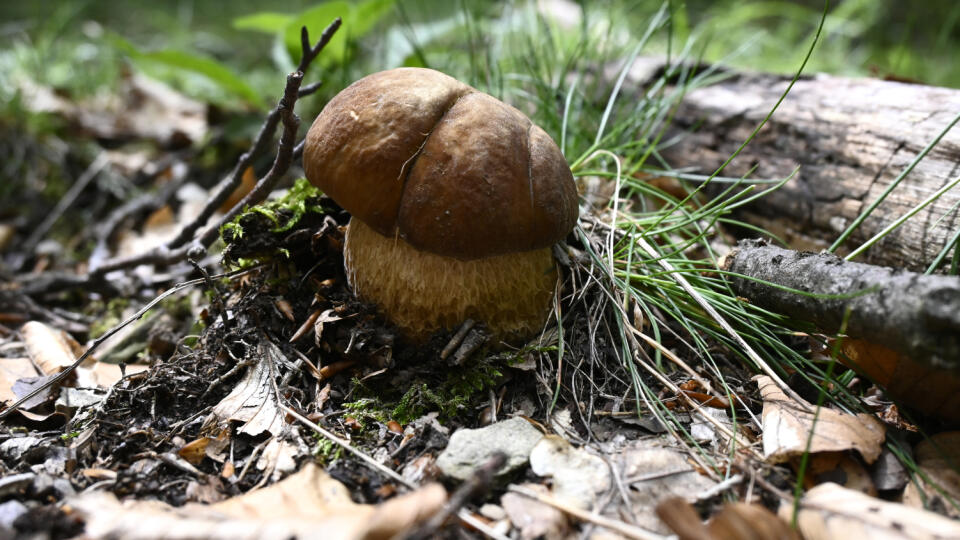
column 209, row 68
column 316, row 19
column 367, row 14
column 266, row 21
column 358, row 20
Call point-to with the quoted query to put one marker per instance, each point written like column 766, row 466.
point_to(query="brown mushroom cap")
column 456, row 198
column 414, row 153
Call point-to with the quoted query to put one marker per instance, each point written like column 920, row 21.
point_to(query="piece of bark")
column 851, row 138
column 915, row 314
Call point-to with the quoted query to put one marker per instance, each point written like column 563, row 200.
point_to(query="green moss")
column 299, row 199
column 451, row 397
column 257, row 234
column 326, row 450
column 366, row 410
column 232, row 230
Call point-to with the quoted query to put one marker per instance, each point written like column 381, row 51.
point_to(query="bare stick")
column 377, row 466
column 92, row 171
column 915, row 314
column 176, row 250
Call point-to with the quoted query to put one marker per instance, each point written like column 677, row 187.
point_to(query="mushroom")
column 456, row 199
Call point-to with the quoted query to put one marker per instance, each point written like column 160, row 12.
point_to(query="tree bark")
column 850, row 138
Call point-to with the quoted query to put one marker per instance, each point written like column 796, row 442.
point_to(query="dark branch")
column 310, row 53
column 291, row 123
column 309, row 89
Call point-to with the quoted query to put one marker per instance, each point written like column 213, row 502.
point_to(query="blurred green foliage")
column 233, row 55
column 880, row 38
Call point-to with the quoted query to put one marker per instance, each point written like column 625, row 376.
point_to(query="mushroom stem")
column 421, row 291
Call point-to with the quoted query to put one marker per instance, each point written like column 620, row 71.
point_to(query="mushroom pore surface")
column 456, row 198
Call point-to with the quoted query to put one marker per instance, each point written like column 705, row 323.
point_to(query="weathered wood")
column 851, row 138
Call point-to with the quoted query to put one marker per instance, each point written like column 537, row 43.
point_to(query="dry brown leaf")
column 308, row 505
column 682, row 518
column 163, row 226
column 106, row 374
column 278, row 458
column 247, row 182
column 142, row 108
column 925, row 388
column 50, row 349
column 327, row 316
column 99, row 474
column 195, row 450
column 12, row 370
column 829, row 511
column 787, row 425
column 653, row 470
column 253, row 401
column 938, row 458
column 7, row 232
column 734, row 521
column 840, row 468
column 741, row 521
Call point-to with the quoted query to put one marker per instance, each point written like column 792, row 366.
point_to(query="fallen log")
column 850, row 138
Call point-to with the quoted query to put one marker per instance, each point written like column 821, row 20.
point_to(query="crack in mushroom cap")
column 451, row 170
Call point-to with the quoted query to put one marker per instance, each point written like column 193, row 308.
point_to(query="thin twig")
column 349, row 448
column 309, row 53
column 456, row 339
column 194, row 256
column 66, row 201
column 721, row 487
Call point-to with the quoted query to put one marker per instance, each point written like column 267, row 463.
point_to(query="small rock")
column 10, row 511
column 45, row 485
column 492, row 511
column 888, row 472
column 15, row 483
column 578, row 476
column 471, row 448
